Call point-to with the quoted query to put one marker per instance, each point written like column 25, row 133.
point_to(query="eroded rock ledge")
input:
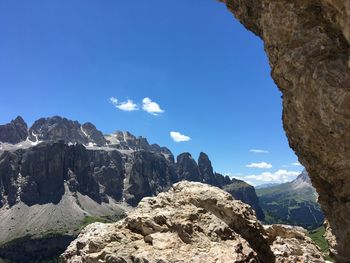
column 192, row 222
column 307, row 42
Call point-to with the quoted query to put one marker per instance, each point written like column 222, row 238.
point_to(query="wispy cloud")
column 178, row 137
column 261, row 165
column 151, row 107
column 128, row 105
column 113, row 100
column 258, row 151
column 297, row 164
column 280, row 176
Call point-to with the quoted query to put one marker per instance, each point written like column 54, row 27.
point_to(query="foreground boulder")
column 192, row 222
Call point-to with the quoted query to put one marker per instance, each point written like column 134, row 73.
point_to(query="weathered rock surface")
column 240, row 190
column 192, row 222
column 292, row 244
column 147, row 175
column 307, row 42
column 120, row 166
column 14, row 132
column 58, row 128
column 37, row 175
column 50, row 183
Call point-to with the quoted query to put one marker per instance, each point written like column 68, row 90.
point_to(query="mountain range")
column 58, row 174
column 292, row 203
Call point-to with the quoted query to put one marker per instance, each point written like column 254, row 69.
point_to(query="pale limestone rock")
column 192, row 222
column 292, row 244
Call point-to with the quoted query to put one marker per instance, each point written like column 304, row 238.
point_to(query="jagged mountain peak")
column 144, row 159
column 56, row 171
column 14, row 132
column 304, row 176
column 59, row 128
column 302, row 181
column 20, row 120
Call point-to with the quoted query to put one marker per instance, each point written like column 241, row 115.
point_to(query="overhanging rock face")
column 307, row 42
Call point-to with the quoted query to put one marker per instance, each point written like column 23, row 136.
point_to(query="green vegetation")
column 17, row 240
column 102, row 219
column 292, row 203
column 93, row 219
column 317, row 235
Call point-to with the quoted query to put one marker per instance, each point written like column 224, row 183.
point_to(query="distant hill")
column 293, row 203
column 262, row 186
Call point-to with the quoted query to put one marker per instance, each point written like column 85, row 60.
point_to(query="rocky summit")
column 60, row 173
column 307, row 43
column 192, row 222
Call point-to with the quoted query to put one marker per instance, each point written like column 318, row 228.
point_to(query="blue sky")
column 206, row 72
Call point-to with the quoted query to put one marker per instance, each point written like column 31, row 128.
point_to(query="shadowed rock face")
column 307, row 42
column 66, row 171
column 48, row 155
column 187, row 168
column 14, row 132
column 58, row 128
column 37, row 175
column 149, row 174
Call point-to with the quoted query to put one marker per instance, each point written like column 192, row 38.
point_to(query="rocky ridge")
column 59, row 175
column 60, row 152
column 192, row 222
column 14, row 132
column 308, row 43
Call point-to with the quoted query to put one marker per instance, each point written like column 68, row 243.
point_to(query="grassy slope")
column 317, row 235
column 51, row 234
column 282, row 204
column 102, row 219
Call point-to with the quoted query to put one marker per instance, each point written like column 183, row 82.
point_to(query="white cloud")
column 178, row 137
column 258, row 151
column 128, row 105
column 151, row 107
column 261, row 165
column 113, row 100
column 297, row 164
column 280, row 176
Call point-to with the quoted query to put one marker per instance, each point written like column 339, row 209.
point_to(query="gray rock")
column 187, row 168
column 57, row 128
column 149, row 174
column 93, row 134
column 37, row 175
column 14, row 132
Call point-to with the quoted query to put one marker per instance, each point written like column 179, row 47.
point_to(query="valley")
column 292, row 203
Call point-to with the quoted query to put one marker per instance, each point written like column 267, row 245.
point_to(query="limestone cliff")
column 59, row 173
column 307, row 42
